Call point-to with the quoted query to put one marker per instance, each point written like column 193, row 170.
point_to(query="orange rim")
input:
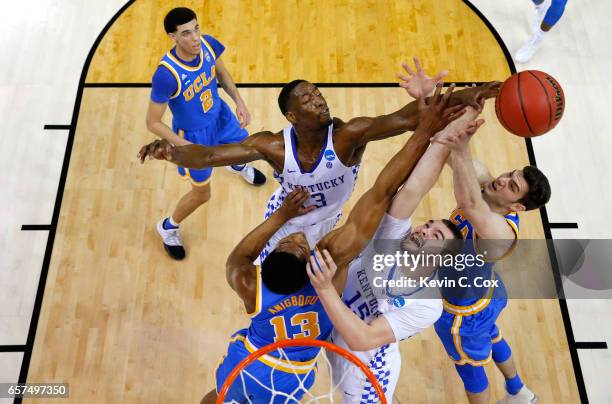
column 300, row 342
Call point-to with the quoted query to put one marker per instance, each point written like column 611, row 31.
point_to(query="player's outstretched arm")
column 488, row 224
column 359, row 335
column 239, row 266
column 197, row 156
column 349, row 240
column 429, row 167
column 363, row 129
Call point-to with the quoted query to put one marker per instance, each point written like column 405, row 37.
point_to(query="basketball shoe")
column 524, row 396
column 172, row 240
column 250, row 174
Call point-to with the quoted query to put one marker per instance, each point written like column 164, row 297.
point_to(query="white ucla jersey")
column 329, row 182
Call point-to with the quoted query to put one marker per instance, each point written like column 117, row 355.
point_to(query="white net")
column 325, row 389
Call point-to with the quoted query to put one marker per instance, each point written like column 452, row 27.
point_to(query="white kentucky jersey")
column 329, row 182
column 407, row 316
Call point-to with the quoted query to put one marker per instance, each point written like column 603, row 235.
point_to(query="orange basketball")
column 530, row 103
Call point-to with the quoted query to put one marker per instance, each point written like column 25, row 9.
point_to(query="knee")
column 201, row 194
column 474, row 378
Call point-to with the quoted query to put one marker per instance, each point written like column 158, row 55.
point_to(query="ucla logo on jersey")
column 399, row 301
column 329, row 155
column 199, row 83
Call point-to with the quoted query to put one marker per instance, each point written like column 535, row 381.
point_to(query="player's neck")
column 185, row 56
column 310, row 140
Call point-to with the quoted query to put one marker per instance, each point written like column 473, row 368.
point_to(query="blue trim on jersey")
column 295, row 154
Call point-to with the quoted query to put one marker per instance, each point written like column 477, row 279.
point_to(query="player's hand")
column 243, row 115
column 434, row 117
column 459, row 139
column 418, row 84
column 321, row 271
column 160, row 149
column 476, row 96
column 293, row 204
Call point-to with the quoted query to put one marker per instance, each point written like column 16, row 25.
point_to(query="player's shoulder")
column 354, row 126
column 266, row 140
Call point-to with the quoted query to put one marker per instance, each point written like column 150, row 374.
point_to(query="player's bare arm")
column 349, row 240
column 468, row 193
column 225, row 80
column 155, row 112
column 359, row 335
column 240, row 271
column 259, row 146
column 429, row 167
column 361, row 130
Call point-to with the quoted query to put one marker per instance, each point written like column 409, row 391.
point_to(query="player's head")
column 284, row 269
column 432, row 237
column 303, row 105
column 181, row 24
column 518, row 190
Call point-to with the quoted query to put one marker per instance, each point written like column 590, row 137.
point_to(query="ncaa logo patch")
column 207, row 56
column 329, row 155
column 399, row 301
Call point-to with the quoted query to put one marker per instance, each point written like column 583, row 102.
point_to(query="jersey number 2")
column 207, row 101
column 308, row 323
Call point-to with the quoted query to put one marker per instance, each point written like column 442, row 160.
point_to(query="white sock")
column 538, row 35
column 172, row 222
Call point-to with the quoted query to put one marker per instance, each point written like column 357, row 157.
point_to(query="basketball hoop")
column 304, row 342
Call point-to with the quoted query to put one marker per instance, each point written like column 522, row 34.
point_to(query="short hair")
column 284, row 273
column 539, row 188
column 178, row 16
column 283, row 97
column 453, row 228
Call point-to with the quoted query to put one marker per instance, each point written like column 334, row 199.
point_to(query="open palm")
column 418, row 83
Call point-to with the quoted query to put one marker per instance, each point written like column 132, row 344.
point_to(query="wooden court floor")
column 121, row 322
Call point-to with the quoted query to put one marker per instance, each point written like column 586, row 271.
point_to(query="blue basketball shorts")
column 468, row 332
column 224, row 129
column 255, row 382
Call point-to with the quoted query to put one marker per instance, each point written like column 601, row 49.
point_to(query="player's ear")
column 517, row 207
column 291, row 117
column 172, row 36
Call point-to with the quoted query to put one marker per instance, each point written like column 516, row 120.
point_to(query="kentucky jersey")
column 329, row 182
column 195, row 101
column 406, row 316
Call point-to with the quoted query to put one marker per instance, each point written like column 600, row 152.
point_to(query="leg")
column 229, row 131
column 168, row 228
column 192, row 200
column 210, row 398
column 475, row 383
column 553, row 15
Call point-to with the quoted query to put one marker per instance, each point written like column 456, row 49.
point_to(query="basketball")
column 530, row 103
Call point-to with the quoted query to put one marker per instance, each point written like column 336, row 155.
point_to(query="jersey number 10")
column 308, row 323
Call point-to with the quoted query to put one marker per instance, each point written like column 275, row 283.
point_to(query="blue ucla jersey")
column 468, row 296
column 279, row 317
column 466, row 229
column 195, row 104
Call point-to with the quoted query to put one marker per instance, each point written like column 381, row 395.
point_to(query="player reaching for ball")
column 486, row 209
